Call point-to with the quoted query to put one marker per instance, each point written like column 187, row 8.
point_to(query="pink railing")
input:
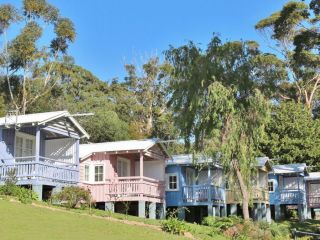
column 127, row 188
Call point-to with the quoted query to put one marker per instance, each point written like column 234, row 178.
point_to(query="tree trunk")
column 244, row 190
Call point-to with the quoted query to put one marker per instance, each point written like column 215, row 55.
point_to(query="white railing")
column 202, row 193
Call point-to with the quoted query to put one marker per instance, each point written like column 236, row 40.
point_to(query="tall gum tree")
column 22, row 56
column 293, row 33
column 219, row 104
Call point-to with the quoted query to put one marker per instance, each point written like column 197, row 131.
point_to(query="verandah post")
column 38, row 188
column 141, row 174
column 37, row 157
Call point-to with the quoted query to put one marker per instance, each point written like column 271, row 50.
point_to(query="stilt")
column 109, row 206
column 233, row 209
column 181, row 213
column 268, row 214
column 142, row 209
column 38, row 190
column 277, row 214
column 211, row 211
column 152, row 210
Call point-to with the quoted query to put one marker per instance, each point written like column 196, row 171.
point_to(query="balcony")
column 127, row 189
column 313, row 200
column 291, row 196
column 258, row 195
column 202, row 193
column 28, row 170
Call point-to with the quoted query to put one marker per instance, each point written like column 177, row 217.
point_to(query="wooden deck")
column 202, row 193
column 28, row 170
column 313, row 200
column 127, row 189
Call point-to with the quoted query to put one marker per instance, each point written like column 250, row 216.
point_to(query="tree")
column 293, row 135
column 218, row 104
column 22, row 57
column 151, row 117
column 294, row 31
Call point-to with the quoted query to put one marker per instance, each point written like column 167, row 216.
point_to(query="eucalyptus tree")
column 22, row 55
column 219, row 104
column 293, row 33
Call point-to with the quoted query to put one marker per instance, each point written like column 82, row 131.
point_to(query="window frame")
column 86, row 174
column 168, row 182
column 24, row 137
column 94, row 172
column 273, row 185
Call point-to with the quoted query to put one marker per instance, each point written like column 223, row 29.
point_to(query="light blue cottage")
column 42, row 148
column 197, row 187
column 287, row 190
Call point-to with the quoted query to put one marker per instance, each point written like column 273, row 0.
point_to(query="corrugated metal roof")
column 40, row 118
column 289, row 168
column 131, row 145
column 261, row 161
column 313, row 176
column 187, row 159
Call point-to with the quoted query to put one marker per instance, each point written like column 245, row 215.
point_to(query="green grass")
column 27, row 222
column 305, row 226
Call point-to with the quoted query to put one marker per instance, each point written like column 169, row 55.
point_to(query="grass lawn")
column 27, row 222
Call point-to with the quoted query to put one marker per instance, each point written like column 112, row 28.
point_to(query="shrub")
column 174, row 226
column 73, row 197
column 24, row 195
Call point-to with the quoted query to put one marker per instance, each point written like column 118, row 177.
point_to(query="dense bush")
column 24, row 195
column 174, row 225
column 73, row 197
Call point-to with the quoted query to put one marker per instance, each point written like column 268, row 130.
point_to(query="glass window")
column 86, row 173
column 25, row 145
column 123, row 167
column 98, row 173
column 270, row 186
column 173, row 182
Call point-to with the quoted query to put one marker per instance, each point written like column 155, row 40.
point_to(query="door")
column 123, row 167
column 190, row 176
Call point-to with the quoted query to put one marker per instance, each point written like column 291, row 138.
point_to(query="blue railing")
column 202, row 193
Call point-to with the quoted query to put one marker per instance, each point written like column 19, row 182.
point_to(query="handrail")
column 41, row 158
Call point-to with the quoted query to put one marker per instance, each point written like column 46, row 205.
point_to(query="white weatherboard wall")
column 151, row 169
column 61, row 149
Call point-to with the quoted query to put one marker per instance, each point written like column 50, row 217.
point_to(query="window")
column 172, row 182
column 271, row 186
column 123, row 167
column 86, row 172
column 98, row 173
column 25, row 145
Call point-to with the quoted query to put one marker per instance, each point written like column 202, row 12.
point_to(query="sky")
column 111, row 33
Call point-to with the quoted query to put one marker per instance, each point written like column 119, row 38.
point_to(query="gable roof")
column 313, row 176
column 289, row 168
column 264, row 162
column 86, row 150
column 40, row 119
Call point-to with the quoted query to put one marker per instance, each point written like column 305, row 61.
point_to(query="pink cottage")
column 125, row 176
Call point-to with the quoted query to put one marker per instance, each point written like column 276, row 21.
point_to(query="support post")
column 162, row 211
column 209, row 183
column 233, row 209
column 181, row 214
column 38, row 190
column 259, row 211
column 277, row 210
column 309, row 215
column 37, row 150
column 142, row 209
column 77, row 160
column 141, row 165
column 152, row 210
column 268, row 215
column 109, row 206
column 211, row 210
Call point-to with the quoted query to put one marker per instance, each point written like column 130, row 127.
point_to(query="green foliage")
column 73, row 197
column 293, row 135
column 174, row 226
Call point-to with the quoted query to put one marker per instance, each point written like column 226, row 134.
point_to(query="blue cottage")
column 287, row 191
column 197, row 189
column 42, row 149
column 313, row 195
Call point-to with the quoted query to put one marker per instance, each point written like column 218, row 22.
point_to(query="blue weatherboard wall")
column 174, row 198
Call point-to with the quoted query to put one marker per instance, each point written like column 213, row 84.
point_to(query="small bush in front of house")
column 10, row 188
column 174, row 226
column 73, row 197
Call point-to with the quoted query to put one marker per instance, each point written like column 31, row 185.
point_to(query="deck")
column 28, row 170
column 127, row 189
column 313, row 200
column 202, row 193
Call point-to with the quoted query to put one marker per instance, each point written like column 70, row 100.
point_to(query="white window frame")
column 273, row 184
column 24, row 137
column 168, row 182
column 87, row 166
column 94, row 172
column 128, row 162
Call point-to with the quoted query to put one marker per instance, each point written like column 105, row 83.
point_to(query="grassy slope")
column 26, row 222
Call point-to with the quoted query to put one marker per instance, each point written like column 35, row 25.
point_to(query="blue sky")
column 111, row 33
